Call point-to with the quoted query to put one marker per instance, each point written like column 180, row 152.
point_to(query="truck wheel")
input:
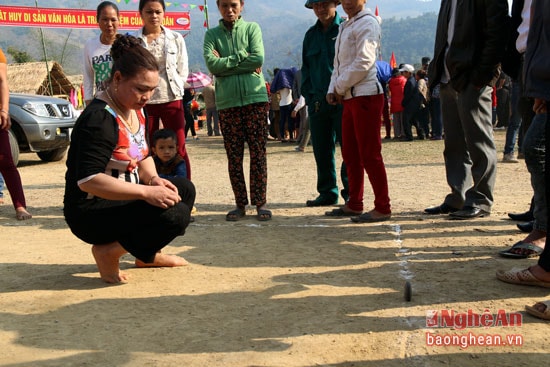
column 14, row 145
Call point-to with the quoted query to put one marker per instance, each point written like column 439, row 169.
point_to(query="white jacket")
column 177, row 62
column 356, row 49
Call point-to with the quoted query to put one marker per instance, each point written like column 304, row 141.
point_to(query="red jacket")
column 396, row 85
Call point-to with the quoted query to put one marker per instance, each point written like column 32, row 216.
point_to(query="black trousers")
column 142, row 229
column 544, row 259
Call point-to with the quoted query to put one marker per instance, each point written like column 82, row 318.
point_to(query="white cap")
column 407, row 67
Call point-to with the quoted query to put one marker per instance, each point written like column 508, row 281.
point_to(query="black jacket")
column 512, row 59
column 478, row 43
column 412, row 98
column 537, row 62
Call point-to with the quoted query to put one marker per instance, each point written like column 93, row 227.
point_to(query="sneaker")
column 509, row 158
column 298, row 149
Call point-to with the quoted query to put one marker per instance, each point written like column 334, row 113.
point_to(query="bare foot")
column 540, row 307
column 163, row 260
column 539, row 273
column 535, row 237
column 22, row 214
column 107, row 259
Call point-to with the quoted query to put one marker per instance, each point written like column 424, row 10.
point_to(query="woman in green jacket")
column 234, row 53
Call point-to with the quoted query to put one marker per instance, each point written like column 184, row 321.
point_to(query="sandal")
column 521, row 277
column 235, row 215
column 263, row 215
column 340, row 212
column 533, row 310
column 368, row 218
column 527, row 250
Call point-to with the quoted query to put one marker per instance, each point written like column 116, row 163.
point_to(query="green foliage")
column 18, row 55
column 409, row 38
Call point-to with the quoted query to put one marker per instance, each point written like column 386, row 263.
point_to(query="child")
column 168, row 161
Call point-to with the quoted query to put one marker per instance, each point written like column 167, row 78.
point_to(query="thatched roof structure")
column 32, row 78
column 76, row 80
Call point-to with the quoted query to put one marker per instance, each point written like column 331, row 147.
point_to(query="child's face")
column 165, row 149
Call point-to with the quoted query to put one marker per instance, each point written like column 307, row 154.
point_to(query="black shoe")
column 440, row 209
column 522, row 217
column 526, row 227
column 469, row 212
column 320, row 201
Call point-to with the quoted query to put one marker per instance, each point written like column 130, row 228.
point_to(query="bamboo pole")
column 50, row 85
column 206, row 15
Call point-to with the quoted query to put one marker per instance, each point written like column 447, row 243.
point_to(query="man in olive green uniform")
column 325, row 119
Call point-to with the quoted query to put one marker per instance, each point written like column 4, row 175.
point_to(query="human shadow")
column 48, row 218
column 502, row 358
column 103, row 358
column 21, row 277
column 208, row 323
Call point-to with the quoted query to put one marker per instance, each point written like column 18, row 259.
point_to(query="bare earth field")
column 300, row 290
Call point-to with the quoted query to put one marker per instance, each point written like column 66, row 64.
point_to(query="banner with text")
column 23, row 16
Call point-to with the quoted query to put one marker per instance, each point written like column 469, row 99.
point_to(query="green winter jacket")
column 241, row 52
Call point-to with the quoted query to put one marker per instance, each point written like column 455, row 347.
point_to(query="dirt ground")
column 300, row 290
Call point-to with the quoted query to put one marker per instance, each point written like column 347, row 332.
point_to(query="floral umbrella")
column 198, row 80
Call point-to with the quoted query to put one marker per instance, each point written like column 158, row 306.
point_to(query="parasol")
column 198, row 80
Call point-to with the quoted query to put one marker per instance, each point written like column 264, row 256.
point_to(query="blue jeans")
column 534, row 148
column 515, row 119
column 1, row 186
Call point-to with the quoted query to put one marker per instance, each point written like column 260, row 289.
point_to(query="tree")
column 19, row 56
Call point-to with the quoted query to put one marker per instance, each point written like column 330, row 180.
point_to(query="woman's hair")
column 130, row 57
column 142, row 4
column 103, row 5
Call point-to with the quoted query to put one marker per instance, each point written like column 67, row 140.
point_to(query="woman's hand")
column 162, row 196
column 334, row 98
column 158, row 181
column 216, row 53
column 539, row 106
column 5, row 122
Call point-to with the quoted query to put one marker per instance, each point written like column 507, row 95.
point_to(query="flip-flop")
column 263, row 215
column 545, row 315
column 521, row 277
column 235, row 215
column 368, row 218
column 339, row 212
column 535, row 251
